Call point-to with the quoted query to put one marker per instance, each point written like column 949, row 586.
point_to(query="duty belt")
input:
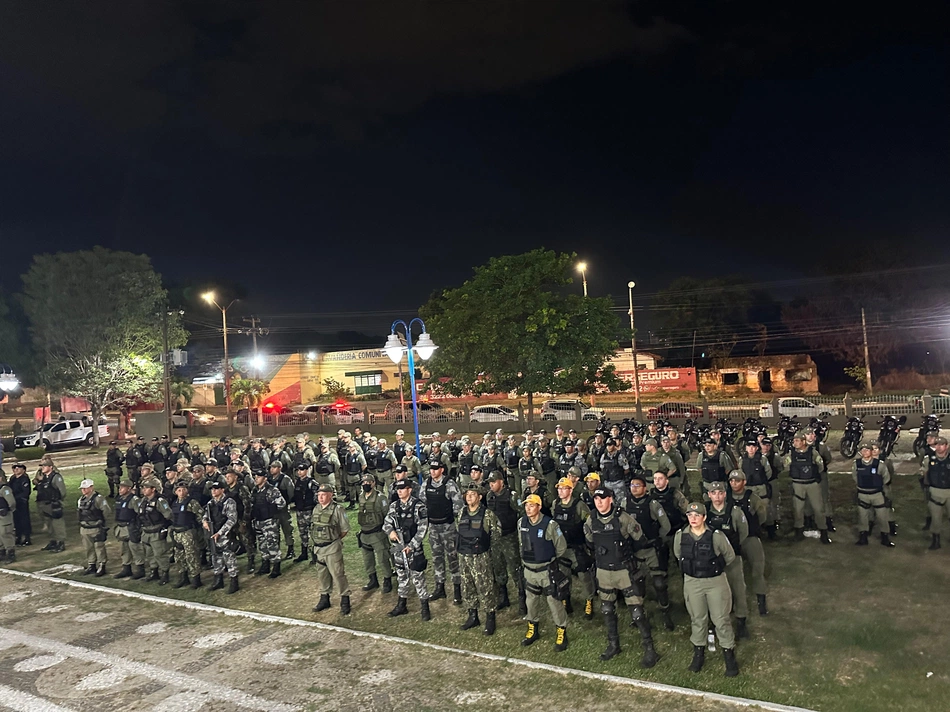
column 152, row 530
column 543, row 567
column 372, row 531
column 320, row 546
column 95, row 525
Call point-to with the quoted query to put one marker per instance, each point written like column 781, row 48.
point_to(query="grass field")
column 849, row 628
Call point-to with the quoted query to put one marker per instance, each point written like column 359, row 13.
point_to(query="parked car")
column 61, row 434
column 566, row 409
column 799, row 407
column 428, row 413
column 340, row 413
column 270, row 410
column 199, row 417
column 674, row 409
column 492, row 414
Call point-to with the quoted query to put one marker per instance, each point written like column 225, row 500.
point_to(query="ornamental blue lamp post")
column 424, row 347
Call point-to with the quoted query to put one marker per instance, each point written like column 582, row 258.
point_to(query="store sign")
column 353, row 355
column 654, row 380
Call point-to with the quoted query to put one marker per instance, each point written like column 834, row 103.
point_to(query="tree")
column 14, row 352
column 250, row 393
column 511, row 327
column 94, row 319
column 182, row 391
column 335, row 389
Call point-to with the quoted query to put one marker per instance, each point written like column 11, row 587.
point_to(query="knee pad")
column 660, row 583
column 636, row 612
column 631, row 592
column 607, row 608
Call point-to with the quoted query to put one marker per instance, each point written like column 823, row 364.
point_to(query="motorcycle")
column 752, row 428
column 820, row 427
column 890, row 433
column 853, row 432
column 787, row 427
column 929, row 424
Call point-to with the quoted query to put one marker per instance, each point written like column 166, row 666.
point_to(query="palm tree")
column 182, row 392
column 250, row 392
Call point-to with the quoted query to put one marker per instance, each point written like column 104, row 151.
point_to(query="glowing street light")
column 582, row 268
column 8, row 381
column 633, row 352
column 210, row 298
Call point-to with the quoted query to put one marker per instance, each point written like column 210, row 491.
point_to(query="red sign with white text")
column 654, row 380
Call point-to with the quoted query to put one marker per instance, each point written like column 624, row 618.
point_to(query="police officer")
column 811, row 437
column 888, row 466
column 758, row 479
column 804, row 468
column 386, row 462
column 935, row 472
column 542, row 544
column 467, row 457
column 285, row 486
column 327, row 531
column 443, row 503
column 756, row 514
column 568, row 459
column 401, row 472
column 614, row 470
column 188, row 514
column 778, row 466
column 303, row 501
column 135, row 457
column 372, row 541
column 723, row 515
column 199, row 489
column 50, row 491
column 238, row 491
column 354, row 466
column 327, row 466
column 220, row 521
column 21, row 487
column 405, row 525
column 547, row 460
column 8, row 505
column 410, row 461
column 266, row 503
column 871, row 477
column 653, row 461
column 651, row 552
column 258, row 458
column 155, row 515
column 673, row 501
column 678, row 480
column 114, row 460
column 527, row 465
column 571, row 513
column 511, row 455
column 128, row 532
column 400, row 446
column 506, row 558
column 477, row 531
column 714, row 464
column 703, row 555
column 612, row 534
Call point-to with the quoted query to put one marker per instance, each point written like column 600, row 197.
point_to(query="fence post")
column 578, row 413
column 775, row 413
column 928, row 402
column 521, row 422
column 467, row 414
column 848, row 405
column 705, row 408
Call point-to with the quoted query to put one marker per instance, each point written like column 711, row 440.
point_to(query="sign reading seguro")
column 655, row 380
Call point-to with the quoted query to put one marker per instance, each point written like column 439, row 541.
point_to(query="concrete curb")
column 267, row 618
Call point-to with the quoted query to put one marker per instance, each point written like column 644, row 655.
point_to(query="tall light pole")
column 424, row 348
column 582, row 268
column 209, row 297
column 633, row 349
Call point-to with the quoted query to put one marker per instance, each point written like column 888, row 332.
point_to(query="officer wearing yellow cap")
column 591, row 483
column 542, row 544
column 571, row 513
column 703, row 555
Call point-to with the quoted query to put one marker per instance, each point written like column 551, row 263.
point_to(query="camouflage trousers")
column 155, row 550
column 268, row 539
column 406, row 579
column 187, row 551
column 442, row 542
column 248, row 538
column 304, row 517
column 223, row 558
column 478, row 582
column 506, row 560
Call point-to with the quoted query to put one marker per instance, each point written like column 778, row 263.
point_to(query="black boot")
column 439, row 592
column 400, row 608
column 217, row 583
column 152, row 575
column 457, row 594
column 589, row 609
column 531, row 634
column 302, row 556
column 52, row 545
column 885, row 541
column 489, row 623
column 250, row 564
column 139, row 573
column 275, row 569
column 11, row 556
column 934, row 542
column 60, row 547
column 810, row 523
column 892, row 527
column 196, row 582
column 668, row 619
column 89, row 570
column 732, row 667
column 234, row 587
column 824, row 537
column 205, row 562
column 111, row 490
column 265, row 568
column 830, row 525
column 742, row 630
column 560, row 639
column 862, row 539
column 100, row 570
column 163, row 579
column 290, row 553
column 322, row 604
column 522, row 602
column 699, row 658
column 124, row 572
column 345, row 605
column 503, row 601
column 927, row 523
column 472, row 620
column 663, row 599
column 613, row 635
column 388, row 584
column 424, row 613
column 650, row 657
column 372, row 583
column 182, row 580
column 772, row 530
column 763, row 609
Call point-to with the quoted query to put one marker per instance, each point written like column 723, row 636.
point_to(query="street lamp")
column 633, row 349
column 582, row 268
column 424, row 348
column 209, row 297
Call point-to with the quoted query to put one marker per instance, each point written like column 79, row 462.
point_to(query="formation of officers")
column 531, row 518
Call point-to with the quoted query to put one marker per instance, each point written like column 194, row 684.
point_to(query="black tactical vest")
column 745, row 503
column 216, row 512
column 802, row 468
column 500, row 504
column 754, row 470
column 369, row 517
column 151, row 519
column 612, row 550
column 184, row 519
column 938, row 472
column 570, row 522
column 261, row 508
column 473, row 537
column 697, row 556
column 90, row 515
column 124, row 514
column 438, row 502
column 304, row 496
column 639, row 509
column 466, row 461
column 666, row 498
column 535, row 547
column 383, row 463
column 722, row 521
column 870, row 479
column 712, row 469
column 610, row 469
column 256, row 458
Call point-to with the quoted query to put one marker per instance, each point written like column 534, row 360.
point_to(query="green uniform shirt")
column 721, row 544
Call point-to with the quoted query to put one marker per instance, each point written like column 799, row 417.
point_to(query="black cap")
column 602, row 493
column 436, row 463
column 217, row 485
column 401, row 468
column 170, row 469
column 402, row 484
column 302, row 467
column 113, row 442
column 476, row 467
column 211, row 461
column 752, row 443
column 766, row 441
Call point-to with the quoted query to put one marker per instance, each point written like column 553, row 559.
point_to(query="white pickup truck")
column 62, row 434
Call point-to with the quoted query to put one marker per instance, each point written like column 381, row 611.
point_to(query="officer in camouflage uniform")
column 511, row 455
column 220, row 522
column 652, row 554
column 114, row 460
column 571, row 513
column 478, row 530
column 128, row 532
column 50, row 491
column 406, row 525
column 304, row 500
column 327, row 531
column 505, row 551
column 372, row 541
column 542, row 544
column 723, row 515
column 401, row 472
column 443, row 503
column 354, row 466
column 188, row 512
column 236, row 490
column 612, row 533
column 266, row 503
column 285, row 486
column 93, row 511
column 155, row 516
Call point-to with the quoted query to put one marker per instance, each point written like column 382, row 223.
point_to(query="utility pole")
column 165, row 375
column 633, row 349
column 253, row 321
column 867, row 358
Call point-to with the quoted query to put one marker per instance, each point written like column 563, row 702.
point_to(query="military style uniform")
column 114, row 461
column 410, row 522
column 443, row 503
column 614, row 469
column 304, row 500
column 50, row 492
column 286, row 488
column 678, row 480
column 354, row 465
column 155, row 515
column 714, row 468
column 220, row 520
column 128, row 532
column 731, row 521
column 266, row 503
column 325, row 469
column 245, row 534
column 759, row 476
column 20, row 484
column 756, row 514
column 542, row 544
column 188, row 539
column 8, row 506
column 385, row 464
column 651, row 550
column 477, row 532
column 576, row 560
column 505, row 551
column 804, row 468
column 327, row 529
column 373, row 542
column 936, row 475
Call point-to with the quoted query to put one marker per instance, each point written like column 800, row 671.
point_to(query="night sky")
column 341, row 160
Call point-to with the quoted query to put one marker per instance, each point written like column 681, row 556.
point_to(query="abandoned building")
column 766, row 374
